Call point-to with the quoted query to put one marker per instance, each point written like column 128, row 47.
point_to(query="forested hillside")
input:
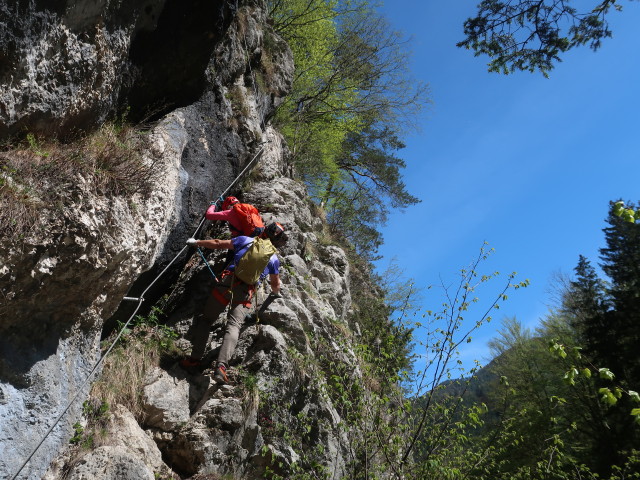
column 561, row 402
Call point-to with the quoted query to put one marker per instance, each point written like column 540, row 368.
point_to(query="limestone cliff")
column 206, row 77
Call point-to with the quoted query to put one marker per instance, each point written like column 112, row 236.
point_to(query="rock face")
column 276, row 386
column 210, row 74
column 66, row 66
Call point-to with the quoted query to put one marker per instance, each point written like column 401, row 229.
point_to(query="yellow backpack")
column 254, row 261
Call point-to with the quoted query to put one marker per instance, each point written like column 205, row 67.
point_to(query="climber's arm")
column 274, row 281
column 224, row 215
column 215, row 244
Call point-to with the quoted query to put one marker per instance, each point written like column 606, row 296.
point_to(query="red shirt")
column 228, row 216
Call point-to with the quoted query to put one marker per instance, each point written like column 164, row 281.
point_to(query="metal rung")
column 132, row 299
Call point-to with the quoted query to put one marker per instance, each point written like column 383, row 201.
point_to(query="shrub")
column 141, row 347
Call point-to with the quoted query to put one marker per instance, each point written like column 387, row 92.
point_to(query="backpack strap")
column 234, row 231
column 246, row 245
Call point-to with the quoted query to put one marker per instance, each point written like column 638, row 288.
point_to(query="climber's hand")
column 192, row 242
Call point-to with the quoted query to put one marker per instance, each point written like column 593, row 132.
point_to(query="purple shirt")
column 240, row 246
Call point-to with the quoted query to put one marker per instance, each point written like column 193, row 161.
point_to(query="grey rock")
column 298, row 264
column 111, row 463
column 71, row 65
column 126, row 432
column 166, row 400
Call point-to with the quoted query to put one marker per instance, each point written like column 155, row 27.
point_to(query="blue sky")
column 525, row 163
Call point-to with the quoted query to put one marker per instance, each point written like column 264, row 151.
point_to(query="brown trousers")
column 238, row 296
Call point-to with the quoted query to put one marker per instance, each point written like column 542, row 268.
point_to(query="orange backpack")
column 250, row 220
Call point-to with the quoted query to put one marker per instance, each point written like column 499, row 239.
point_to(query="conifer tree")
column 621, row 262
column 586, row 305
column 605, row 317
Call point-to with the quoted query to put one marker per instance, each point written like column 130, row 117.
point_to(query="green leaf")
column 634, row 396
column 607, row 397
column 558, row 349
column 586, row 372
column 606, row 374
column 618, row 208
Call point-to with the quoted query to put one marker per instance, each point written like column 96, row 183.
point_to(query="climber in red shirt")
column 227, row 214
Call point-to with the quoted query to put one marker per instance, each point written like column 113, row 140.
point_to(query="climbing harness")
column 221, row 296
column 139, row 299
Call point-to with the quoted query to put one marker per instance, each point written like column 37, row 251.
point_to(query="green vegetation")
column 352, row 99
column 96, row 417
column 562, row 402
column 619, row 209
column 557, row 404
column 143, row 345
column 532, row 34
column 395, row 408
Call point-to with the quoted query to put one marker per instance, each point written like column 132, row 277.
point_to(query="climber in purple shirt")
column 231, row 290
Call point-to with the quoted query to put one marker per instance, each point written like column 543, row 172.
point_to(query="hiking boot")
column 221, row 375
